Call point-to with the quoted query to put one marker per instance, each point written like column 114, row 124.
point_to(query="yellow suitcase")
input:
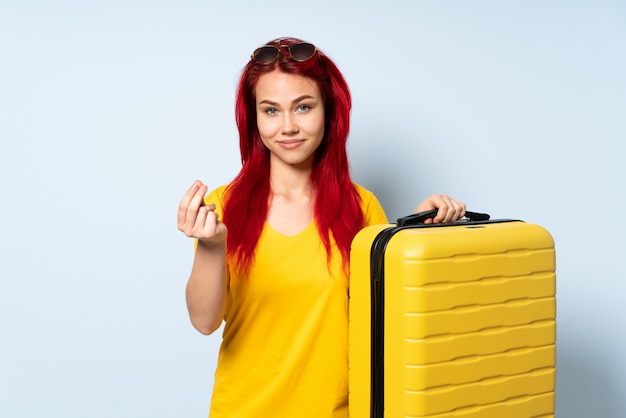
column 452, row 321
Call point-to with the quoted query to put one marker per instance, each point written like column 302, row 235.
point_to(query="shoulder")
column 219, row 191
column 362, row 191
column 365, row 195
column 372, row 209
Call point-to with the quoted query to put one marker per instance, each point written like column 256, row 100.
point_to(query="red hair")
column 337, row 210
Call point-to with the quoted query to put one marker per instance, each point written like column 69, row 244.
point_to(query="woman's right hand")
column 206, row 287
column 197, row 220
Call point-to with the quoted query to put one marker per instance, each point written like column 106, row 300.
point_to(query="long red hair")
column 337, row 210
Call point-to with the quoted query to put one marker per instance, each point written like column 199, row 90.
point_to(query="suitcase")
column 452, row 320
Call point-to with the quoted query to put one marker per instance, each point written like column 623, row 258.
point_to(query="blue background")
column 109, row 110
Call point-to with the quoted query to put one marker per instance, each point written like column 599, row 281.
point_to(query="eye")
column 270, row 111
column 303, row 108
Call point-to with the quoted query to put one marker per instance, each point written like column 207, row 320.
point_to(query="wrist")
column 208, row 245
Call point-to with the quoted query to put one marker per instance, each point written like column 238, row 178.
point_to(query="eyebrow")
column 296, row 100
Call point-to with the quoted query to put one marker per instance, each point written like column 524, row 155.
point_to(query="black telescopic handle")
column 420, row 217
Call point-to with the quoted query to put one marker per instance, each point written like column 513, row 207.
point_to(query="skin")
column 206, row 287
column 290, row 120
column 448, row 209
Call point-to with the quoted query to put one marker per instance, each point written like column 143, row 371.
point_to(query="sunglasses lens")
column 266, row 54
column 302, row 51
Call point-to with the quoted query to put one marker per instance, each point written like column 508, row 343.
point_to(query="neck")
column 290, row 180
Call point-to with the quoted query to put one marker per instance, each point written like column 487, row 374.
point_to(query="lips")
column 290, row 144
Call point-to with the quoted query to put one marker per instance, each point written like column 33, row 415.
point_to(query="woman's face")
column 290, row 117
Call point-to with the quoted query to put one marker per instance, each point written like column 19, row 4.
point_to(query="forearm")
column 206, row 288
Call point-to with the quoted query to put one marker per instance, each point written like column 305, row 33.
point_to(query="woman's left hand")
column 448, row 209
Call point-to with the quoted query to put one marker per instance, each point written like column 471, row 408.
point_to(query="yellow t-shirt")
column 284, row 352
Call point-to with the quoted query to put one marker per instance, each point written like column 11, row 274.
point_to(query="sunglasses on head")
column 267, row 54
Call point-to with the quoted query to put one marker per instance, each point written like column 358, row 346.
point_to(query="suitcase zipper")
column 377, row 283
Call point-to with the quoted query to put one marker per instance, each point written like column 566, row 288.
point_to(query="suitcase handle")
column 420, row 217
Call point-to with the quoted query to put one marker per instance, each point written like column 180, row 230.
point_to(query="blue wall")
column 109, row 111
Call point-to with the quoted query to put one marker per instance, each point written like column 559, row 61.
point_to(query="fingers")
column 208, row 227
column 448, row 209
column 189, row 204
column 206, row 221
column 197, row 219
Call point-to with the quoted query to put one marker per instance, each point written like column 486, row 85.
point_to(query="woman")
column 280, row 280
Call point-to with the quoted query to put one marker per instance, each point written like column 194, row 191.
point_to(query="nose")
column 290, row 126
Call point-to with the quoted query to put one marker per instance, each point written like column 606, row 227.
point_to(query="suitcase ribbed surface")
column 469, row 322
